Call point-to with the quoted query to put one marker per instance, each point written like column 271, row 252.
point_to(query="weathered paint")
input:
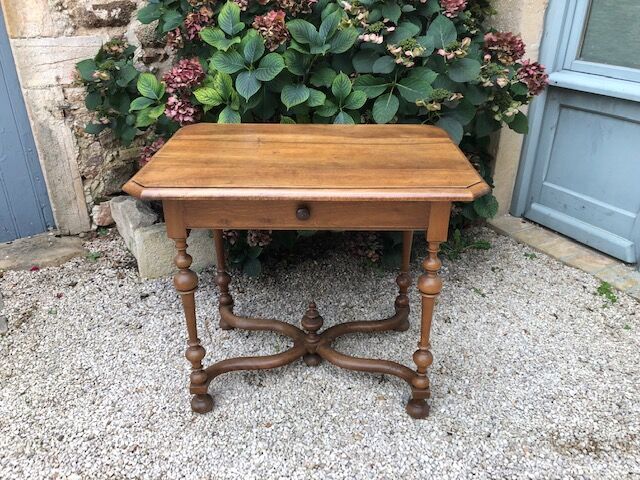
column 24, row 204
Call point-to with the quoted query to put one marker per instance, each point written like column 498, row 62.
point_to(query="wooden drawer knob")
column 303, row 213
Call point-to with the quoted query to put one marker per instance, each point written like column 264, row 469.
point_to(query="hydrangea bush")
column 321, row 61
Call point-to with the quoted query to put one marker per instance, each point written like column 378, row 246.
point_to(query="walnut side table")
column 309, row 177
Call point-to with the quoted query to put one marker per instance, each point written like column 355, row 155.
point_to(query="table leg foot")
column 202, row 403
column 312, row 360
column 403, row 326
column 418, row 409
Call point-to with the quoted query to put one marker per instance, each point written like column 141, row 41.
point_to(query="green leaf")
column 224, row 84
column 253, row 47
column 94, row 128
column 355, row 100
column 140, row 103
column 208, row 96
column 385, row 108
column 453, row 127
column 86, row 69
column 216, row 38
column 293, row 95
column 344, row 118
column 341, row 87
column 464, row 112
column 296, row 62
column 228, row 115
column 323, row 77
column 329, row 25
column 391, row 10
column 442, row 32
column 252, row 267
column 327, row 110
column 343, row 40
column 464, row 70
column 150, row 13
column 304, row 32
column 172, row 19
column 229, row 17
column 150, row 87
column 227, row 62
column 476, row 95
column 148, row 116
column 370, row 85
column 486, row 207
column 520, row 88
column 520, row 123
column 403, row 31
column 269, row 67
column 426, row 43
column 486, row 124
column 247, row 84
column 126, row 75
column 287, row 120
column 364, row 59
column 413, row 89
column 384, row 64
column 93, row 100
column 316, row 98
column 424, row 73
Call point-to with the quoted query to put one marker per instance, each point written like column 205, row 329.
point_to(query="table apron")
column 283, row 215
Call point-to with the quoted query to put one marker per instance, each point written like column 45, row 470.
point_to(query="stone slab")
column 154, row 251
column 43, row 62
column 39, row 251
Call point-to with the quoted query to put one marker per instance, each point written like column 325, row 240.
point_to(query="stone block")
column 154, row 251
column 130, row 214
column 42, row 62
column 102, row 13
column 40, row 251
column 33, row 18
column 101, row 215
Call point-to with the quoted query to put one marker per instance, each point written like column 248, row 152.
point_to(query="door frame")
column 563, row 29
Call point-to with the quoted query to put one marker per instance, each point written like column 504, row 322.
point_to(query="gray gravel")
column 535, row 376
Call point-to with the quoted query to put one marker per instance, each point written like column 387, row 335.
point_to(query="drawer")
column 315, row 215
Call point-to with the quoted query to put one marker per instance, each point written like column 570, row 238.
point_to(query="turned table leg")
column 223, row 279
column 404, row 280
column 430, row 285
column 186, row 283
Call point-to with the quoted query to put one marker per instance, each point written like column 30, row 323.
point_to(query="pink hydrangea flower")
column 272, row 28
column 453, row 7
column 149, row 151
column 506, row 46
column 534, row 76
column 181, row 110
column 185, row 75
column 196, row 21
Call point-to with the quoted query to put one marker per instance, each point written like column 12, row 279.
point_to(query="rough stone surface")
column 535, row 376
column 102, row 13
column 101, row 215
column 33, row 18
column 39, row 251
column 154, row 251
column 131, row 214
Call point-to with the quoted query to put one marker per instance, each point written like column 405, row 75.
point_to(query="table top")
column 309, row 162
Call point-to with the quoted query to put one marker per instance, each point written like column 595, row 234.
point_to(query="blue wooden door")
column 580, row 173
column 24, row 204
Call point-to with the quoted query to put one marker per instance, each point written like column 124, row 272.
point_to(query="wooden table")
column 309, row 177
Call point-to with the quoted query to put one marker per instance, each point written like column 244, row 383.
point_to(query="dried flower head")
column 175, row 40
column 534, row 76
column 196, row 21
column 243, row 4
column 185, row 75
column 375, row 32
column 505, row 46
column 365, row 245
column 259, row 238
column 231, row 236
column 272, row 28
column 115, row 47
column 451, row 8
column 456, row 49
column 406, row 51
column 150, row 150
column 181, row 110
column 296, row 7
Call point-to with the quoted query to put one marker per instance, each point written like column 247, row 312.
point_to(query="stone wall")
column 48, row 37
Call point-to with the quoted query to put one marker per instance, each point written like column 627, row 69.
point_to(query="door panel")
column 580, row 173
column 24, row 204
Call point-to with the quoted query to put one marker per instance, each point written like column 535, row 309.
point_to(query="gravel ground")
column 535, row 376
